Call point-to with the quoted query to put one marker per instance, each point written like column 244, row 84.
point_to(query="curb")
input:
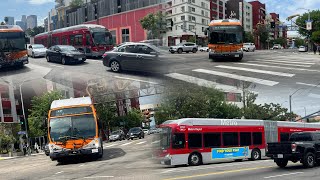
column 15, row 157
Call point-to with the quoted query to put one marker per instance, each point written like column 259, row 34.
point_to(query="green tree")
column 76, row 3
column 154, row 23
column 263, row 34
column 248, row 37
column 315, row 37
column 36, row 30
column 40, row 106
column 107, row 114
column 301, row 22
column 282, row 41
column 8, row 136
column 299, row 42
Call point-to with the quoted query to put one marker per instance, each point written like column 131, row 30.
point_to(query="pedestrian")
column 315, row 46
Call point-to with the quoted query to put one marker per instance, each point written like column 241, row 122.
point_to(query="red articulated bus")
column 93, row 40
column 195, row 141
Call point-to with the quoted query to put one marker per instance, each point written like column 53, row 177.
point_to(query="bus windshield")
column 165, row 135
column 74, row 127
column 12, row 41
column 225, row 35
column 102, row 38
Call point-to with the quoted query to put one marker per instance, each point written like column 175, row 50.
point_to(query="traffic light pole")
column 25, row 120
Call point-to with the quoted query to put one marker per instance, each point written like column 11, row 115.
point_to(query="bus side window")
column 212, row 140
column 230, row 139
column 195, row 140
column 257, row 138
column 178, row 141
column 88, row 37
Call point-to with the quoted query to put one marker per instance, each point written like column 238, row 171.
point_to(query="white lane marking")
column 56, row 66
column 290, row 62
column 93, row 177
column 283, row 175
column 295, row 65
column 297, row 60
column 257, row 71
column 314, row 95
column 59, row 172
column 312, row 85
column 290, row 68
column 110, row 145
column 126, row 144
column 205, row 83
column 239, row 77
column 150, row 82
column 210, row 167
column 142, row 142
column 154, row 142
column 39, row 69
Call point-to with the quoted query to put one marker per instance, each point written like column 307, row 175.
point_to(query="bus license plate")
column 95, row 150
column 280, row 155
column 237, row 55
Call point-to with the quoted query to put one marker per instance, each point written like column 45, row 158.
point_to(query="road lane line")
column 154, row 142
column 93, row 177
column 204, row 83
column 290, row 62
column 238, row 77
column 280, row 175
column 312, row 85
column 257, row 71
column 150, row 82
column 59, row 172
column 290, row 68
column 126, row 144
column 295, row 65
column 212, row 167
column 110, row 145
column 218, row 173
column 141, row 142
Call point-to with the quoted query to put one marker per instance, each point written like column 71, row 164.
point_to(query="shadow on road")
column 7, row 71
column 108, row 154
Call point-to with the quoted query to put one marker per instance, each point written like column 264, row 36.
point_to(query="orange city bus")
column 13, row 48
column 225, row 39
column 73, row 129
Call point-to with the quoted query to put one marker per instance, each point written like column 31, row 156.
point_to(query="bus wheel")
column 255, row 155
column 195, row 159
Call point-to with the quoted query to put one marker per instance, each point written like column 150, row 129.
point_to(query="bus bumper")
column 68, row 153
column 21, row 61
column 213, row 55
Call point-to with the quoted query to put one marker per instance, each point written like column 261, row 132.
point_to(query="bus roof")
column 236, row 122
column 10, row 28
column 76, row 27
column 71, row 102
column 225, row 22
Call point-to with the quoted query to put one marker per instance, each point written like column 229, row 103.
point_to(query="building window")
column 191, row 27
column 202, row 12
column 125, row 35
column 192, row 18
column 192, row 9
column 207, row 14
column 174, row 19
column 182, row 8
column 204, row 21
column 192, row 1
column 183, row 18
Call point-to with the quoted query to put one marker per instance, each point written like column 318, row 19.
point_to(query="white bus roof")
column 71, row 102
column 76, row 27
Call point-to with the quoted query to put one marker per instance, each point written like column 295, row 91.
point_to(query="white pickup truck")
column 249, row 47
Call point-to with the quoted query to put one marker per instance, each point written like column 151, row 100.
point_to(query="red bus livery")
column 91, row 39
column 195, row 141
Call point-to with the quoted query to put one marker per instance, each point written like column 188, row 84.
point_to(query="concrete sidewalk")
column 14, row 157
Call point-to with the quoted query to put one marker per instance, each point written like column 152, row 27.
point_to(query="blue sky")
column 16, row 8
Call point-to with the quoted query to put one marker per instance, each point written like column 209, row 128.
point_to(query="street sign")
column 21, row 132
column 309, row 25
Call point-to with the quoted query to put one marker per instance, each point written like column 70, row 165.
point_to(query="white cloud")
column 39, row 2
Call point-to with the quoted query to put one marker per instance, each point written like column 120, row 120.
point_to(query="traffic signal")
column 22, row 123
column 273, row 25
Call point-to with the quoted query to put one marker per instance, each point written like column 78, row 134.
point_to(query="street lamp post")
column 24, row 117
column 290, row 99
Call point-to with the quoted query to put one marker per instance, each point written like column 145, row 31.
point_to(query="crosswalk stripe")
column 154, row 142
column 110, row 145
column 257, row 71
column 296, row 65
column 141, row 142
column 204, row 83
column 289, row 62
column 290, row 68
column 312, row 85
column 298, row 60
column 239, row 77
column 126, row 144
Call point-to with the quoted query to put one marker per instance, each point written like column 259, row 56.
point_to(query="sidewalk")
column 14, row 157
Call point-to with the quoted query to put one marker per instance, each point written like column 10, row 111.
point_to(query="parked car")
column 302, row 146
column 302, row 49
column 277, row 46
column 249, row 47
column 65, row 54
column 204, row 49
column 135, row 132
column 135, row 57
column 36, row 50
column 146, row 131
column 46, row 149
column 117, row 136
column 184, row 47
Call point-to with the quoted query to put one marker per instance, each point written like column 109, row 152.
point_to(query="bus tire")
column 195, row 159
column 255, row 155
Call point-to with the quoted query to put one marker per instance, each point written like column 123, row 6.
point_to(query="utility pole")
column 195, row 31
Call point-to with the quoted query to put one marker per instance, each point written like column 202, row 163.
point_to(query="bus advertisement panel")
column 13, row 50
column 73, row 129
column 225, row 39
column 195, row 141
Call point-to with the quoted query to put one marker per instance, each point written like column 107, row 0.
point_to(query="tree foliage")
column 315, row 37
column 36, row 30
column 299, row 42
column 154, row 23
column 8, row 136
column 301, row 22
column 40, row 106
column 76, row 3
column 262, row 33
column 248, row 37
column 282, row 41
